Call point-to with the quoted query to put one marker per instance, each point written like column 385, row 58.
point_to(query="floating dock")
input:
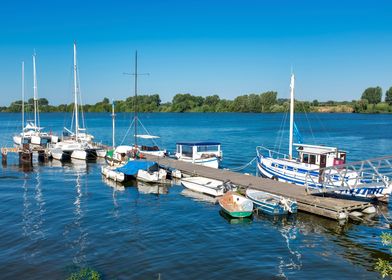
column 330, row 207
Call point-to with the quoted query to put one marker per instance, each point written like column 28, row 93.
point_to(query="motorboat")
column 206, row 153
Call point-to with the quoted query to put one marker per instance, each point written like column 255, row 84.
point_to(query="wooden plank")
column 325, row 206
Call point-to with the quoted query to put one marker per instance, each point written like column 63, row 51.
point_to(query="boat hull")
column 295, row 173
column 205, row 185
column 236, row 205
column 110, row 173
column 151, row 177
column 271, row 204
column 212, row 162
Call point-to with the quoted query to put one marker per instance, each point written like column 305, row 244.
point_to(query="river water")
column 57, row 218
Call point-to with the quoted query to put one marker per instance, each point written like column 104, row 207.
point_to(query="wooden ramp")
column 335, row 208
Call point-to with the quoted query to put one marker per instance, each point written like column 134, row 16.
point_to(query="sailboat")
column 78, row 144
column 123, row 153
column 32, row 133
column 309, row 168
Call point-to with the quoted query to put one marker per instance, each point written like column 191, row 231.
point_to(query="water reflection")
column 235, row 221
column 75, row 231
column 199, row 196
column 157, row 189
column 33, row 208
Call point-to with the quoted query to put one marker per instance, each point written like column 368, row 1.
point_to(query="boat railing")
column 371, row 174
column 271, row 153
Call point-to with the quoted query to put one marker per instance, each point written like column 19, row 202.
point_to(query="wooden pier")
column 330, row 207
column 25, row 153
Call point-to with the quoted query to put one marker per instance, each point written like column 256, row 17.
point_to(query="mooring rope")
column 243, row 166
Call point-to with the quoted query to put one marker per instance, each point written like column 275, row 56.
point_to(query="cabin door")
column 323, row 164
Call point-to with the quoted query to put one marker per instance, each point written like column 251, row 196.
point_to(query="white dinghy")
column 207, row 186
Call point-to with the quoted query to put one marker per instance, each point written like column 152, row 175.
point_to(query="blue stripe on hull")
column 284, row 178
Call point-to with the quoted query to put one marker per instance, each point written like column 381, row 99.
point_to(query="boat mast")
column 76, row 96
column 113, row 125
column 35, row 95
column 23, row 93
column 135, row 117
column 291, row 115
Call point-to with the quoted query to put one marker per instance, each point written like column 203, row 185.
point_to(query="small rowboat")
column 208, row 186
column 271, row 204
column 236, row 205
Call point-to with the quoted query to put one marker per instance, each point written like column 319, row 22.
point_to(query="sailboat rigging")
column 310, row 167
column 32, row 133
column 78, row 144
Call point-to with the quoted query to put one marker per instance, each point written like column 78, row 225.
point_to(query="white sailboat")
column 32, row 133
column 123, row 153
column 79, row 144
column 310, row 166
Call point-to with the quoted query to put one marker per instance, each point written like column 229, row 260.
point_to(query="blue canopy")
column 198, row 143
column 133, row 166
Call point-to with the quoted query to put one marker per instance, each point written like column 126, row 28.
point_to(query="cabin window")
column 312, row 159
column 187, row 151
column 305, row 158
column 211, row 148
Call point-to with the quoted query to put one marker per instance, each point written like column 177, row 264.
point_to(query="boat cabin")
column 198, row 150
column 320, row 155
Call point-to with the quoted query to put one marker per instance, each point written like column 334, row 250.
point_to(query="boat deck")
column 330, row 207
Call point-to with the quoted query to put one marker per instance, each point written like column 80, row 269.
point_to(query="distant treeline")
column 370, row 102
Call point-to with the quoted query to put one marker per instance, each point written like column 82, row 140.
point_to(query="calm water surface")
column 57, row 218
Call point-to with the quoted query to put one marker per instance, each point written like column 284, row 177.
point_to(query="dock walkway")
column 334, row 208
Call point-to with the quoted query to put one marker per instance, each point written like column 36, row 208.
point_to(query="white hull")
column 154, row 177
column 212, row 162
column 110, row 173
column 101, row 153
column 58, row 154
column 205, row 185
column 291, row 171
column 154, row 153
column 79, row 154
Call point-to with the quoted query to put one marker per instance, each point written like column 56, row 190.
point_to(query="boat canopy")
column 147, row 136
column 198, row 143
column 133, row 166
column 315, row 149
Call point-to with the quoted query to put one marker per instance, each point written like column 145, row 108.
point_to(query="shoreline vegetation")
column 267, row 102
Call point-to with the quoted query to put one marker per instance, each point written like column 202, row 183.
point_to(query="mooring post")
column 3, row 157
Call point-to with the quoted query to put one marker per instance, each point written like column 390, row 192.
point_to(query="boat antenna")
column 75, row 93
column 135, row 104
column 291, row 115
column 23, row 94
column 113, row 125
column 35, row 100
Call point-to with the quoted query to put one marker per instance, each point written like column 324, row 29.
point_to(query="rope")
column 243, row 166
column 126, row 134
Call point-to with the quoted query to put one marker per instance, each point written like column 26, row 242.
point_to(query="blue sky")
column 229, row 48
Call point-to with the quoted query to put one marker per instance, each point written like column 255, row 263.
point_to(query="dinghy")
column 271, row 204
column 236, row 205
column 208, row 186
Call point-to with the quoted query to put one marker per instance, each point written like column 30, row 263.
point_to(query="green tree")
column 372, row 94
column 385, row 266
column 361, row 106
column 267, row 100
column 388, row 96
